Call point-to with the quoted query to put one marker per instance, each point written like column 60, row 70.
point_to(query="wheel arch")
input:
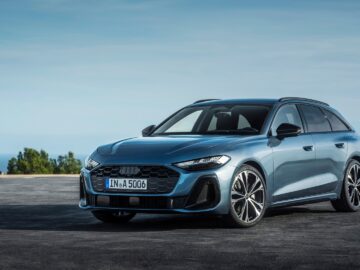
column 257, row 166
column 355, row 157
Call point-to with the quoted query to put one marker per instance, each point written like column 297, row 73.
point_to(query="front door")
column 294, row 158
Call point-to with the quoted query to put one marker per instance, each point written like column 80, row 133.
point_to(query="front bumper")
column 195, row 192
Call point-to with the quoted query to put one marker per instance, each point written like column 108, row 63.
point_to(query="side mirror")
column 288, row 130
column 148, row 130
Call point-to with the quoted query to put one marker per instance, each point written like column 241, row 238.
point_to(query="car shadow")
column 70, row 218
column 284, row 211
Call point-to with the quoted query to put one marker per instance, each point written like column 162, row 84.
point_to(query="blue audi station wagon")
column 231, row 158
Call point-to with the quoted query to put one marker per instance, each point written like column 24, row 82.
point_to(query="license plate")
column 126, row 184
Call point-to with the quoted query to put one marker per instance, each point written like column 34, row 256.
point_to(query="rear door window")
column 315, row 119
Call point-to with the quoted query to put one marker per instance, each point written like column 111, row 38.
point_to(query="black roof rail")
column 302, row 99
column 204, row 100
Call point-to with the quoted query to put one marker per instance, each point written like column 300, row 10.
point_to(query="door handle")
column 340, row 145
column 308, row 148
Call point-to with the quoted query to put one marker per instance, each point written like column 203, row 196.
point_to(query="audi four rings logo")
column 129, row 170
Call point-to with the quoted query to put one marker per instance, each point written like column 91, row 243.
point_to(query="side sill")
column 306, row 200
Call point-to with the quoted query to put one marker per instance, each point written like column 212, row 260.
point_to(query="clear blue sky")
column 76, row 74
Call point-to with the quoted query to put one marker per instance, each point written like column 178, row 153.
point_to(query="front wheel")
column 247, row 198
column 349, row 200
column 113, row 217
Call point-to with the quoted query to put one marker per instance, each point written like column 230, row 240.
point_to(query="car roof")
column 235, row 101
column 258, row 101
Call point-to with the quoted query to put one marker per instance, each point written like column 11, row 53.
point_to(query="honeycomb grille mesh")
column 160, row 179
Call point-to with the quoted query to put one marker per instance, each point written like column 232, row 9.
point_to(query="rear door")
column 330, row 148
column 340, row 136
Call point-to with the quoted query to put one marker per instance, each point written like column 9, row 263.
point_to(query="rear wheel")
column 349, row 200
column 248, row 198
column 113, row 217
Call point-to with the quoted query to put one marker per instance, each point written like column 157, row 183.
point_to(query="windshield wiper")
column 252, row 131
column 243, row 131
column 174, row 133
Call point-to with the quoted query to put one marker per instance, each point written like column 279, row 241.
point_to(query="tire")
column 349, row 200
column 247, row 198
column 113, row 217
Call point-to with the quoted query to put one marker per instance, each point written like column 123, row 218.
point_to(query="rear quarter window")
column 336, row 123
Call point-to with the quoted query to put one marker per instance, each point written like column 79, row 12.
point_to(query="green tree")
column 12, row 167
column 68, row 164
column 33, row 162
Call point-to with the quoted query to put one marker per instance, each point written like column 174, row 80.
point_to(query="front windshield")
column 216, row 119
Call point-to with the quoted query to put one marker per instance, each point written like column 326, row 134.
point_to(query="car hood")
column 166, row 149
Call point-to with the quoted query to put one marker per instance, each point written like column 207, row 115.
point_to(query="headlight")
column 90, row 163
column 203, row 163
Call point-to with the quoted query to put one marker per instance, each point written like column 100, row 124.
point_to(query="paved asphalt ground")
column 41, row 227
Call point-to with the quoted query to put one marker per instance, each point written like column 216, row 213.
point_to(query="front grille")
column 160, row 179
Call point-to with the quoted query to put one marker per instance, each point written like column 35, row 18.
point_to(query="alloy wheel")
column 248, row 196
column 353, row 181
